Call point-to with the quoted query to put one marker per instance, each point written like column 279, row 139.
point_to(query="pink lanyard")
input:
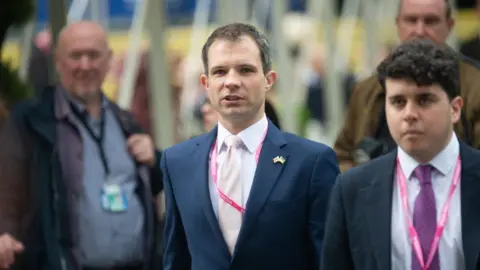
column 443, row 217
column 214, row 167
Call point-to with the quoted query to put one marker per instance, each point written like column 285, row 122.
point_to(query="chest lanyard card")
column 113, row 198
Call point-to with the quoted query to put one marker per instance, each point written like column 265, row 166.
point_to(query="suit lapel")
column 266, row 175
column 201, row 171
column 470, row 200
column 378, row 207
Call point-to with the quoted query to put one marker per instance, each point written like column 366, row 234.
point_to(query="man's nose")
column 411, row 111
column 232, row 80
column 85, row 62
column 420, row 29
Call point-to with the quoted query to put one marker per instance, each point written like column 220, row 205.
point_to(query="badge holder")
column 113, row 198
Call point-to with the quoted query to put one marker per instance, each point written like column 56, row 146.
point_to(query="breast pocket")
column 286, row 208
column 288, row 200
column 289, row 189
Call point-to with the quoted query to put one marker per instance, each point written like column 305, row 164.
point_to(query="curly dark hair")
column 233, row 32
column 425, row 63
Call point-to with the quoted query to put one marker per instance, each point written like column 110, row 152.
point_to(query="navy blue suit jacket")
column 284, row 222
column 358, row 234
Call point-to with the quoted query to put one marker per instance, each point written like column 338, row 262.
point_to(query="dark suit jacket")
column 358, row 231
column 284, row 222
column 36, row 195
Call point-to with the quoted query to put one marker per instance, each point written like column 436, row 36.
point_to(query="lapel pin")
column 278, row 159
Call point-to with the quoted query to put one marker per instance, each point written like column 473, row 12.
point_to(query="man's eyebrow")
column 396, row 96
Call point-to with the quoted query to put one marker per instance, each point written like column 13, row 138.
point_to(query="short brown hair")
column 233, row 32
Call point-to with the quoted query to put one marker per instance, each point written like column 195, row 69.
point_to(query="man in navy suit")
column 415, row 208
column 245, row 195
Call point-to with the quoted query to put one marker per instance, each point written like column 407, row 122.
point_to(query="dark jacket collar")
column 51, row 106
column 378, row 203
column 64, row 102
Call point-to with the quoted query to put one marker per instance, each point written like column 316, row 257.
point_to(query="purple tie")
column 425, row 217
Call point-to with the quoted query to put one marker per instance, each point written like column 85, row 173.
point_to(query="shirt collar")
column 443, row 162
column 251, row 136
column 65, row 100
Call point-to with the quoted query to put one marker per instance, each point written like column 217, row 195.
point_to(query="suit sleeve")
column 336, row 250
column 14, row 173
column 176, row 254
column 323, row 177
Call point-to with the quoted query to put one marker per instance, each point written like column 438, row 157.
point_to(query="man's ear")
column 456, row 109
column 204, row 81
column 271, row 78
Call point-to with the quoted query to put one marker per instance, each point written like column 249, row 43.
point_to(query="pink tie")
column 230, row 219
column 425, row 216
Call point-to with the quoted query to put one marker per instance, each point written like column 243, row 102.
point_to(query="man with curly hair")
column 364, row 134
column 406, row 209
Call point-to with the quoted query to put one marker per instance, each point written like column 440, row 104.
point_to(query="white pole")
column 190, row 84
column 26, row 49
column 260, row 11
column 133, row 54
column 160, row 89
column 77, row 10
column 345, row 34
column 283, row 64
column 370, row 28
column 333, row 93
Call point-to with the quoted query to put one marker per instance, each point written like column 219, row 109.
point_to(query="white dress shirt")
column 450, row 248
column 251, row 138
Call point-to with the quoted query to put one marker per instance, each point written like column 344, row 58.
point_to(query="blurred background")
column 320, row 49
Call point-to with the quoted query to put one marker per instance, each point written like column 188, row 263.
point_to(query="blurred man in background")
column 77, row 174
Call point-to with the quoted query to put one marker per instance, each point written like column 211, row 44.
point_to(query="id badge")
column 113, row 198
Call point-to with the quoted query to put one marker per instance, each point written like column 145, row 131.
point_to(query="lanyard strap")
column 443, row 217
column 214, row 168
column 82, row 117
